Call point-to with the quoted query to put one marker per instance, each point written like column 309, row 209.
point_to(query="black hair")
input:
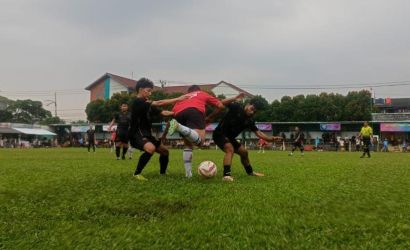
column 144, row 83
column 257, row 103
column 194, row 88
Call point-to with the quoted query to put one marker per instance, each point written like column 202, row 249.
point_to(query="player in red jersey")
column 190, row 119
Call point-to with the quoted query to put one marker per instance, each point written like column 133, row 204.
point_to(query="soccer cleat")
column 290, row 154
column 123, row 157
column 227, row 178
column 172, row 127
column 118, row 158
column 140, row 177
column 257, row 174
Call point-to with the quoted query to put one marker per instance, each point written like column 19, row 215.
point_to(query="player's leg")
column 293, row 148
column 302, row 148
column 124, row 148
column 224, row 144
column 149, row 149
column 188, row 133
column 243, row 153
column 229, row 151
column 130, row 152
column 190, row 123
column 118, row 149
column 368, row 148
column 163, row 158
column 187, row 157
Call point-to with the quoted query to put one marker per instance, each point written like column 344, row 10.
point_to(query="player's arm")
column 169, row 101
column 164, row 135
column 265, row 137
column 111, row 124
column 219, row 106
column 239, row 97
column 167, row 113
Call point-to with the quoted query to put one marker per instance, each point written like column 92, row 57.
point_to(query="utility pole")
column 55, row 103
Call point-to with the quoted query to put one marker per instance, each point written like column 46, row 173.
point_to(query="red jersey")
column 262, row 142
column 198, row 100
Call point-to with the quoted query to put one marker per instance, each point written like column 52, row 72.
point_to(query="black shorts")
column 192, row 118
column 298, row 144
column 139, row 142
column 122, row 136
column 220, row 140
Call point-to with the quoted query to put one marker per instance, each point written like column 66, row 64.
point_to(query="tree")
column 28, row 111
column 98, row 111
column 52, row 120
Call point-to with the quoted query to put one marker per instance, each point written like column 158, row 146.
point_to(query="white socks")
column 187, row 156
column 190, row 134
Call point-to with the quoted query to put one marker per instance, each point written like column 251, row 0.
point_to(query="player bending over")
column 237, row 119
column 140, row 129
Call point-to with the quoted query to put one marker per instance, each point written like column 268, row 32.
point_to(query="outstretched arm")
column 239, row 97
column 169, row 101
column 167, row 113
column 262, row 135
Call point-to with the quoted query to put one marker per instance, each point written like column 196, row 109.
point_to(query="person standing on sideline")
column 385, row 145
column 366, row 134
column 140, row 132
column 262, row 144
column 123, row 120
column 298, row 141
column 91, row 138
column 189, row 120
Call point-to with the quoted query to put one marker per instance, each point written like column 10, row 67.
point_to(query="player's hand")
column 240, row 96
column 183, row 97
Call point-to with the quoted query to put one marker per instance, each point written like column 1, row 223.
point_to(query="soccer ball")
column 207, row 169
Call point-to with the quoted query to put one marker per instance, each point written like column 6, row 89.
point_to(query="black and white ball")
column 207, row 169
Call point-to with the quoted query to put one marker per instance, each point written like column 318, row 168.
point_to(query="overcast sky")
column 49, row 45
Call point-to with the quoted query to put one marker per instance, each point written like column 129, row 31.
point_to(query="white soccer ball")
column 207, row 169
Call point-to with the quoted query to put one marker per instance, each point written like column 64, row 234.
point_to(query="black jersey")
column 141, row 121
column 235, row 121
column 123, row 121
column 91, row 134
column 299, row 137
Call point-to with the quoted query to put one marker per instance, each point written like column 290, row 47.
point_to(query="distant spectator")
column 385, row 145
column 404, row 146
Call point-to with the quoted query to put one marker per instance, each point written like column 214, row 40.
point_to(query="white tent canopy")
column 34, row 131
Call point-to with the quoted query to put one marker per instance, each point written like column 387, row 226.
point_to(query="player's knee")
column 228, row 149
column 149, row 148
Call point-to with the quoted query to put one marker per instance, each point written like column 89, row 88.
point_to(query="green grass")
column 68, row 198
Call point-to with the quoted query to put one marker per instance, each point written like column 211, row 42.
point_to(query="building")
column 394, row 119
column 109, row 84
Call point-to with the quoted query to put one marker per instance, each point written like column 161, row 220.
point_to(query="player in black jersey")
column 237, row 119
column 91, row 138
column 123, row 120
column 140, row 130
column 298, row 141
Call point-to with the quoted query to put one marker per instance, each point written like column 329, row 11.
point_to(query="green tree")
column 28, row 111
column 98, row 111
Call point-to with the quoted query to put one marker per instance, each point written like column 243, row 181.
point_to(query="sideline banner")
column 395, row 127
column 330, row 126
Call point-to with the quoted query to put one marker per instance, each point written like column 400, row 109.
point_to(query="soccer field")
column 68, row 198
